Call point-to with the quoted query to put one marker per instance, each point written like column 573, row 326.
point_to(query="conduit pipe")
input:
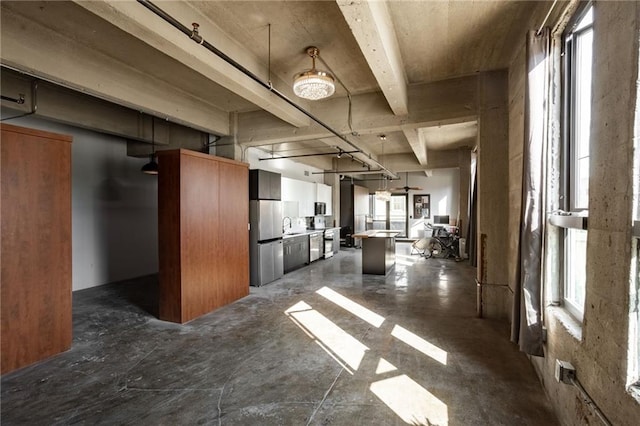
column 196, row 37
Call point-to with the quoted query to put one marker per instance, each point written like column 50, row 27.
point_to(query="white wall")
column 114, row 208
column 443, row 186
column 285, row 167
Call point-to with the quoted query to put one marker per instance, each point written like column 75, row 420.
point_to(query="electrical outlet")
column 565, row 372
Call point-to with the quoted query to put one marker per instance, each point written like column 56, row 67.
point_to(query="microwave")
column 320, row 208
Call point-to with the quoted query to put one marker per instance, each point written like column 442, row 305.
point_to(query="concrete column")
column 333, row 179
column 493, row 194
column 464, row 168
column 228, row 146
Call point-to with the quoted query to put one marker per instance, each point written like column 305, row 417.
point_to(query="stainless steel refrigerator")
column 265, row 241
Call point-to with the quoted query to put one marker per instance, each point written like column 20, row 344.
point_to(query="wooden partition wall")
column 35, row 282
column 203, row 217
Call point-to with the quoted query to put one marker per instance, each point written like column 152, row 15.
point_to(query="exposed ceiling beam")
column 40, row 51
column 143, row 24
column 372, row 27
column 432, row 104
column 417, row 142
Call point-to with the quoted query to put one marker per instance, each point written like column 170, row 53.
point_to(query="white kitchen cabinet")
column 304, row 193
column 287, row 189
column 324, row 195
column 307, row 198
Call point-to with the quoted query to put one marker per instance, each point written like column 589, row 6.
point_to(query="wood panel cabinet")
column 35, row 281
column 203, row 216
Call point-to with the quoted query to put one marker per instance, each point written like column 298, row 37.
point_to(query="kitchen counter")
column 378, row 250
column 307, row 232
column 297, row 234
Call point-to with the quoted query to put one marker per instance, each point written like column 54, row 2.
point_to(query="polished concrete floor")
column 325, row 345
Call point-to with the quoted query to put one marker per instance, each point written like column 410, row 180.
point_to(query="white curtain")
column 526, row 327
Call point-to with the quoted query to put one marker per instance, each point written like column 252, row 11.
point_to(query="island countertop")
column 377, row 233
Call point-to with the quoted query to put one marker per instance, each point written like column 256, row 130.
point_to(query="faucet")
column 283, row 223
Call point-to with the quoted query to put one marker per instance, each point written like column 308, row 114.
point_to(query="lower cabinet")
column 268, row 264
column 296, row 252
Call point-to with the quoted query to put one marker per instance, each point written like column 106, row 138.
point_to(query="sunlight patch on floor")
column 419, row 344
column 328, row 334
column 385, row 366
column 351, row 306
column 411, row 402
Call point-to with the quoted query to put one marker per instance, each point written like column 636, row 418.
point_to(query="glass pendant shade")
column 383, row 195
column 314, row 84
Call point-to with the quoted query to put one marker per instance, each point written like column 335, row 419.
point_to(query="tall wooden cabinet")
column 35, row 278
column 354, row 208
column 203, row 217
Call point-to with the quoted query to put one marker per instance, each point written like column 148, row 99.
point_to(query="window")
column 578, row 59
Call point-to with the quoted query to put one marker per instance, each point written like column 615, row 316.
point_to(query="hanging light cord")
column 153, row 137
column 349, row 115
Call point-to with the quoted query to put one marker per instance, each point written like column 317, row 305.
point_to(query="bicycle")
column 442, row 244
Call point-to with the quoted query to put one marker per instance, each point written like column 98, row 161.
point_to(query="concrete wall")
column 598, row 346
column 114, row 208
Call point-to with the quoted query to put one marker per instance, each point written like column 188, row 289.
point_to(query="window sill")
column 570, row 324
column 634, row 391
column 569, row 220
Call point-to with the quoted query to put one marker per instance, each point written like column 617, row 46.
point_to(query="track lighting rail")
column 308, row 155
column 196, row 37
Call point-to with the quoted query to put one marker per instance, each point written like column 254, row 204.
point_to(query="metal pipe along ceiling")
column 198, row 39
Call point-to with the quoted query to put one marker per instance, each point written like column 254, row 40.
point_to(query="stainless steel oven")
column 329, row 237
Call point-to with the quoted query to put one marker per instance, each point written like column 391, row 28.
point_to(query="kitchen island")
column 378, row 251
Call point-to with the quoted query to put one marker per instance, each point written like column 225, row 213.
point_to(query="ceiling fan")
column 406, row 187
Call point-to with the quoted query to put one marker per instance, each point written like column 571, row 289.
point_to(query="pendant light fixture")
column 314, row 84
column 151, row 168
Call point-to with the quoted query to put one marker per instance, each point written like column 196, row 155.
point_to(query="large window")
column 389, row 214
column 578, row 55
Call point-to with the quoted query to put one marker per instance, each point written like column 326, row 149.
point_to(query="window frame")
column 577, row 217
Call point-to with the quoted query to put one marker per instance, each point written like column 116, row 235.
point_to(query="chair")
column 420, row 247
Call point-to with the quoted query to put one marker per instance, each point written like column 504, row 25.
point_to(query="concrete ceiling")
column 398, row 59
column 449, row 136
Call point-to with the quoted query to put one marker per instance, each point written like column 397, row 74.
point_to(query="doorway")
column 389, row 214
column 397, row 214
